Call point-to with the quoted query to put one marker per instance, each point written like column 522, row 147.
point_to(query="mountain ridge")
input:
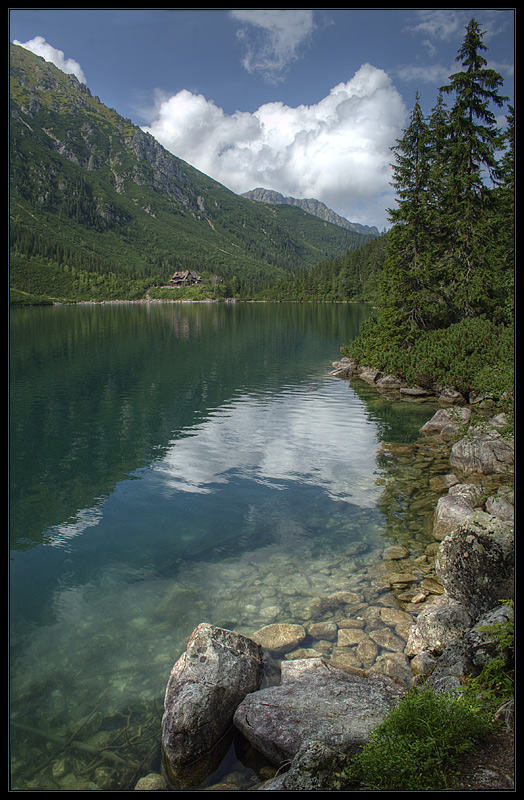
column 312, row 206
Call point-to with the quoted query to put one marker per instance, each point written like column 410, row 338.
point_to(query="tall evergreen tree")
column 448, row 269
column 409, row 275
column 471, row 146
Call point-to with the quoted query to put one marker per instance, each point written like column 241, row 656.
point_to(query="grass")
column 419, row 746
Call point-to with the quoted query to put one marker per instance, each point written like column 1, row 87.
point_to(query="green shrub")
column 474, row 354
column 419, row 746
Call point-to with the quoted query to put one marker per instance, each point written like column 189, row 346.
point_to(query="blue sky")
column 307, row 102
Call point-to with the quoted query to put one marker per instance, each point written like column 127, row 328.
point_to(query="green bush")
column 474, row 354
column 419, row 746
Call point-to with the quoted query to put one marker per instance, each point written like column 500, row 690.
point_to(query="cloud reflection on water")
column 313, row 434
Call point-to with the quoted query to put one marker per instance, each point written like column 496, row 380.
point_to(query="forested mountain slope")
column 99, row 209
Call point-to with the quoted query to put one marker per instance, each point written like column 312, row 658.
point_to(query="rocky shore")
column 304, row 695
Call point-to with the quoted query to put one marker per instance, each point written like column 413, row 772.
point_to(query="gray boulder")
column 315, row 702
column 502, row 505
column 437, row 626
column 207, row 683
column 446, row 419
column 475, row 563
column 454, row 509
column 315, row 768
column 485, row 452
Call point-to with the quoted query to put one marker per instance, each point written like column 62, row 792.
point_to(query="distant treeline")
column 350, row 277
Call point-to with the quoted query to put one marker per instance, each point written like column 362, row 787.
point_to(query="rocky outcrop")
column 311, row 206
column 484, row 450
column 205, row 687
column 475, row 563
column 315, row 702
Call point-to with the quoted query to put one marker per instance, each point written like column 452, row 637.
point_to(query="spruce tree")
column 470, row 151
column 408, row 273
column 449, row 251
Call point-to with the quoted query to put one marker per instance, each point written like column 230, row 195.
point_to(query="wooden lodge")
column 185, row 278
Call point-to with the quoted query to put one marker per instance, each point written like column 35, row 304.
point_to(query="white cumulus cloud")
column 337, row 151
column 40, row 47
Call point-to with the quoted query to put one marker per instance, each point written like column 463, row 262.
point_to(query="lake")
column 178, row 463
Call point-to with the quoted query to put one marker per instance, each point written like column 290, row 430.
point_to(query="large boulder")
column 455, row 508
column 486, row 452
column 437, row 626
column 475, row 563
column 447, row 421
column 207, row 683
column 315, row 702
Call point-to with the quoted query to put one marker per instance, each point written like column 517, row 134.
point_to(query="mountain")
column 99, row 209
column 312, row 206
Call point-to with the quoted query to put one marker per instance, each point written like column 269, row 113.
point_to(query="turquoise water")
column 172, row 464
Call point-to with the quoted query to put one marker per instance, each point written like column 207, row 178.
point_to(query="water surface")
column 172, row 464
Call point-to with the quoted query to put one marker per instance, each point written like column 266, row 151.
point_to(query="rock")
column 206, row 685
column 480, row 641
column 455, row 661
column 432, row 586
column 370, row 375
column 341, row 372
column 348, row 637
column 323, row 630
column 464, row 656
column 501, row 506
column 367, row 652
column 315, row 768
column 437, row 625
column 394, row 552
column 396, row 665
column 151, row 783
column 441, row 482
column 451, row 397
column 387, row 640
column 390, row 382
column 280, row 637
column 416, row 392
column 454, row 508
column 315, row 702
column 482, row 452
column 423, row 664
column 446, row 418
column 481, row 398
column 332, row 602
column 475, row 563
